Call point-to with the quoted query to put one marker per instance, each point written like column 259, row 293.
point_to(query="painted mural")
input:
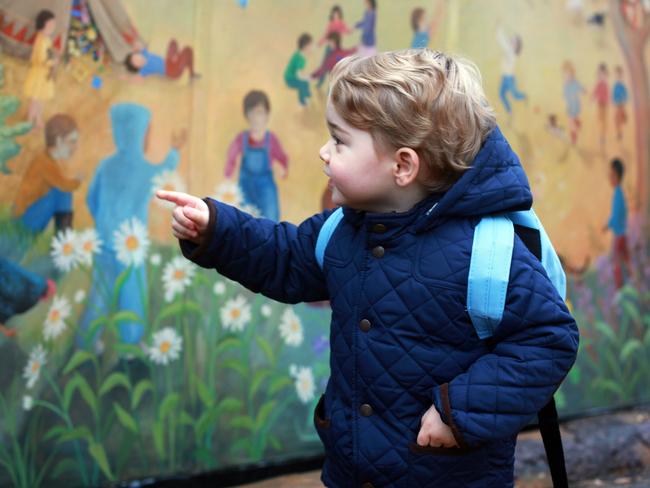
column 121, row 359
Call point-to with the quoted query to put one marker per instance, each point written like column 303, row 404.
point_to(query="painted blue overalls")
column 256, row 178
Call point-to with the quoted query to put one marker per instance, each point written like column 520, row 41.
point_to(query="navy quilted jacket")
column 401, row 338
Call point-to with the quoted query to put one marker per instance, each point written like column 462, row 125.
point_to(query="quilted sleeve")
column 273, row 258
column 532, row 350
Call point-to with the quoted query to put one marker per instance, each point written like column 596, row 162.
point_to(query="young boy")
column 415, row 398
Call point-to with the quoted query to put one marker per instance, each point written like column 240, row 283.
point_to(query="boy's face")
column 613, row 177
column 258, row 118
column 360, row 177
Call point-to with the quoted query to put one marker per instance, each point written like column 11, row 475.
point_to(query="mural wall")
column 122, row 360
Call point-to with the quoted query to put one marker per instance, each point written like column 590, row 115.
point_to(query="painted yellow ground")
column 241, row 49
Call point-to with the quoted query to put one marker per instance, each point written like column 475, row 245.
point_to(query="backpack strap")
column 489, row 273
column 549, row 257
column 325, row 233
column 547, row 417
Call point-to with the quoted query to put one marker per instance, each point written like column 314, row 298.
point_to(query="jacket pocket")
column 319, row 414
column 436, row 466
column 321, row 421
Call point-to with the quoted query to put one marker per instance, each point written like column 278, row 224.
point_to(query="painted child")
column 367, row 25
column 258, row 148
column 293, row 76
column 423, row 32
column 572, row 90
column 511, row 50
column 335, row 24
column 600, row 95
column 119, row 192
column 617, row 223
column 619, row 99
column 45, row 190
column 415, row 398
column 336, row 53
column 39, row 84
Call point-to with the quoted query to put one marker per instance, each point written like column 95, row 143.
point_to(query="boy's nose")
column 324, row 154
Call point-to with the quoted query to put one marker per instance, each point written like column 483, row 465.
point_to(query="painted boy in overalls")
column 258, row 147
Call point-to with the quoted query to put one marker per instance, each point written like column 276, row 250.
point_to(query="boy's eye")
column 336, row 140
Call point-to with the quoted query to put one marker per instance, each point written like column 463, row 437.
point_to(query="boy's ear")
column 406, row 166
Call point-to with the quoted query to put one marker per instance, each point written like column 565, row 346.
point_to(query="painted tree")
column 631, row 22
column 8, row 146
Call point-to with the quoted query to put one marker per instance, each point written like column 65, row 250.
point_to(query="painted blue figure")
column 259, row 147
column 118, row 192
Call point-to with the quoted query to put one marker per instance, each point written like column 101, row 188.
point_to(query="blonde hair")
column 428, row 101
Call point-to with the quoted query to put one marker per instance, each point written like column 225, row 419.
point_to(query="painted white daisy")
column 236, row 313
column 304, row 382
column 55, row 319
column 219, row 288
column 34, row 364
column 80, row 295
column 88, row 244
column 28, row 402
column 131, row 242
column 168, row 181
column 266, row 310
column 167, row 345
column 177, row 276
column 291, row 328
column 155, row 259
column 230, row 193
column 64, row 250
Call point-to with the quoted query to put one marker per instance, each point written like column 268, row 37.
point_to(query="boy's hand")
column 434, row 432
column 190, row 217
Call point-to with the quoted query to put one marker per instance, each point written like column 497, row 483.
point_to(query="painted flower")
column 230, row 193
column 55, row 319
column 219, row 288
column 266, row 310
column 235, row 314
column 28, row 402
column 320, row 344
column 168, row 181
column 34, row 364
column 64, row 250
column 291, row 328
column 131, row 242
column 177, row 276
column 155, row 259
column 80, row 296
column 167, row 345
column 304, row 382
column 88, row 244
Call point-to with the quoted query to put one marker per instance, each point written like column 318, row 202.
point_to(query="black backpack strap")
column 550, row 430
column 547, row 416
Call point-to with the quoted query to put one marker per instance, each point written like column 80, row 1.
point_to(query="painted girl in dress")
column 39, row 84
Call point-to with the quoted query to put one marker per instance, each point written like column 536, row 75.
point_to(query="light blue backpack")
column 489, row 273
